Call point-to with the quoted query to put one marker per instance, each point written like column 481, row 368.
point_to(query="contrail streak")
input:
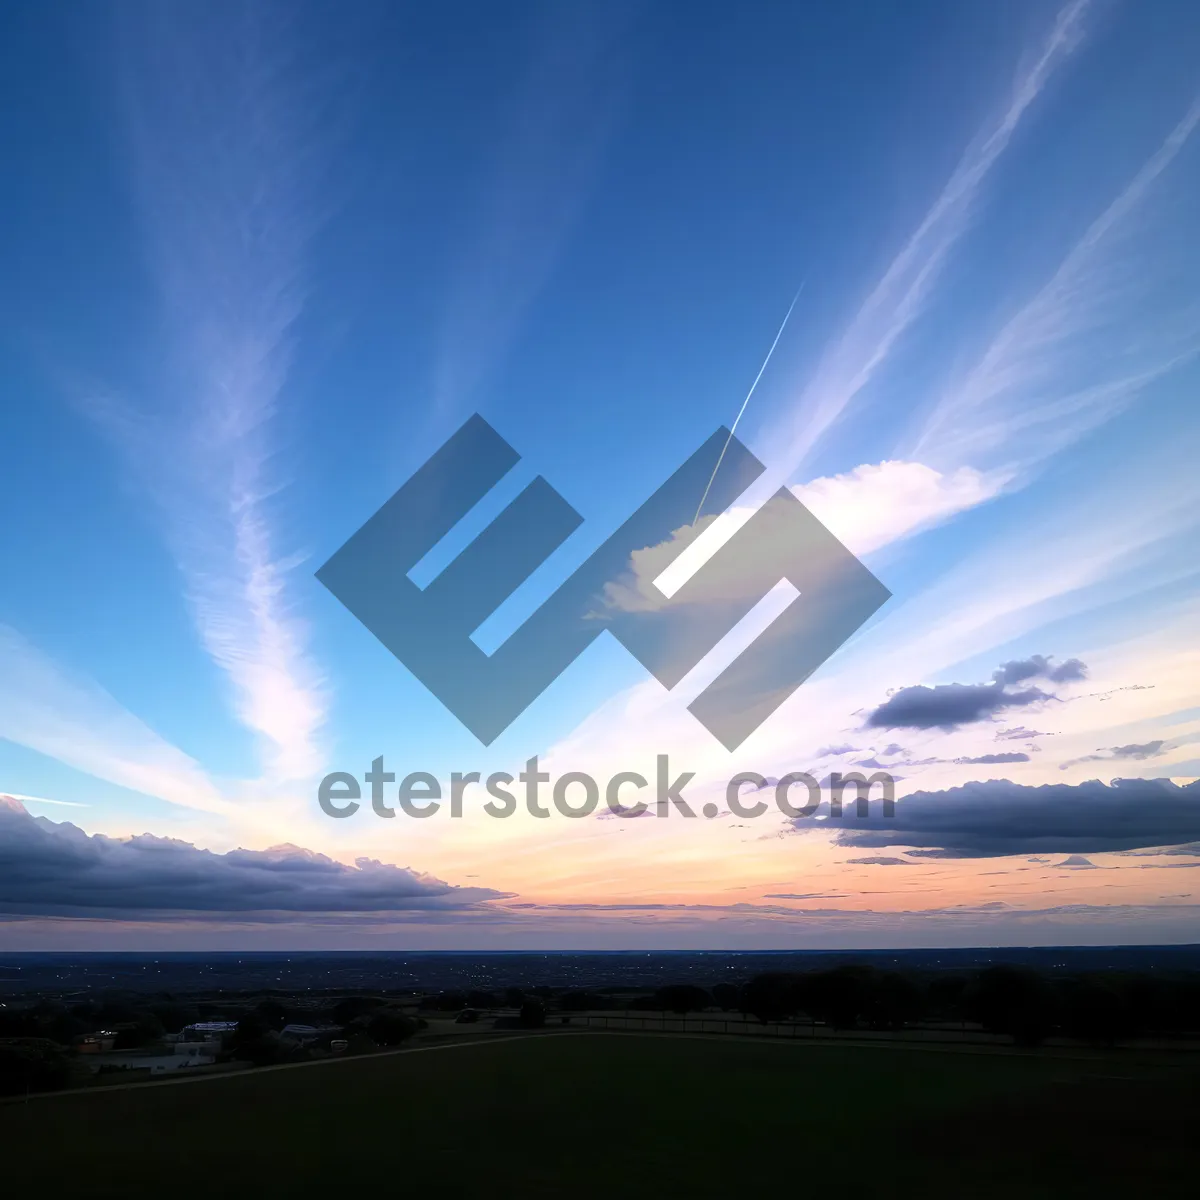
column 733, row 427
column 903, row 293
column 42, row 800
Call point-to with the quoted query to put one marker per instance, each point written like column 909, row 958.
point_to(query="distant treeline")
column 1101, row 1008
column 1025, row 1004
column 38, row 1041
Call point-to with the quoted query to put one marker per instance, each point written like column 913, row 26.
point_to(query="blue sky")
column 260, row 262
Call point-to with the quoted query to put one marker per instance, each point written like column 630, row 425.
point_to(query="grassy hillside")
column 617, row 1116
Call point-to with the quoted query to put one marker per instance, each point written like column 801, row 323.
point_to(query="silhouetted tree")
column 1096, row 1012
column 269, row 1050
column 945, row 996
column 359, row 1042
column 443, row 1002
column 32, row 1065
column 174, row 1017
column 579, row 1001
column 533, row 1014
column 114, row 1011
column 725, row 996
column 251, row 1028
column 146, row 1029
column 840, row 997
column 771, row 996
column 62, row 1026
column 17, row 1023
column 1012, row 1000
column 894, row 1001
column 681, row 998
column 1158, row 1005
column 345, row 1011
column 273, row 1013
column 389, row 1027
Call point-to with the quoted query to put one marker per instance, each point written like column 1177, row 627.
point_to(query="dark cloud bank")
column 1138, row 751
column 56, row 869
column 998, row 817
column 53, row 869
column 950, row 705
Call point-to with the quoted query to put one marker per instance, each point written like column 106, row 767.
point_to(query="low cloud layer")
column 998, row 817
column 948, row 706
column 988, row 760
column 1186, row 851
column 56, row 869
column 1137, row 752
column 1037, row 666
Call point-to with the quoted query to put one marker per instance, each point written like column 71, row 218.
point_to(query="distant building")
column 303, row 1034
column 156, row 1064
column 96, row 1043
column 205, row 1049
column 213, row 1028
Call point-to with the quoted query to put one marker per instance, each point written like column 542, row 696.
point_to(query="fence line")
column 815, row 1031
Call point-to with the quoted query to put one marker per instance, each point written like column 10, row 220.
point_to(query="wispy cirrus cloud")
column 72, row 719
column 1093, row 336
column 1108, row 323
column 902, row 293
column 898, row 299
column 544, row 160
column 1105, row 326
column 223, row 164
column 1095, row 552
column 875, row 505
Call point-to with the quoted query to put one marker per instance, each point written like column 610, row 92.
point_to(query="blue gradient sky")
column 259, row 262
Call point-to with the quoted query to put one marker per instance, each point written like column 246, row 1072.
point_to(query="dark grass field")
column 622, row 1115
